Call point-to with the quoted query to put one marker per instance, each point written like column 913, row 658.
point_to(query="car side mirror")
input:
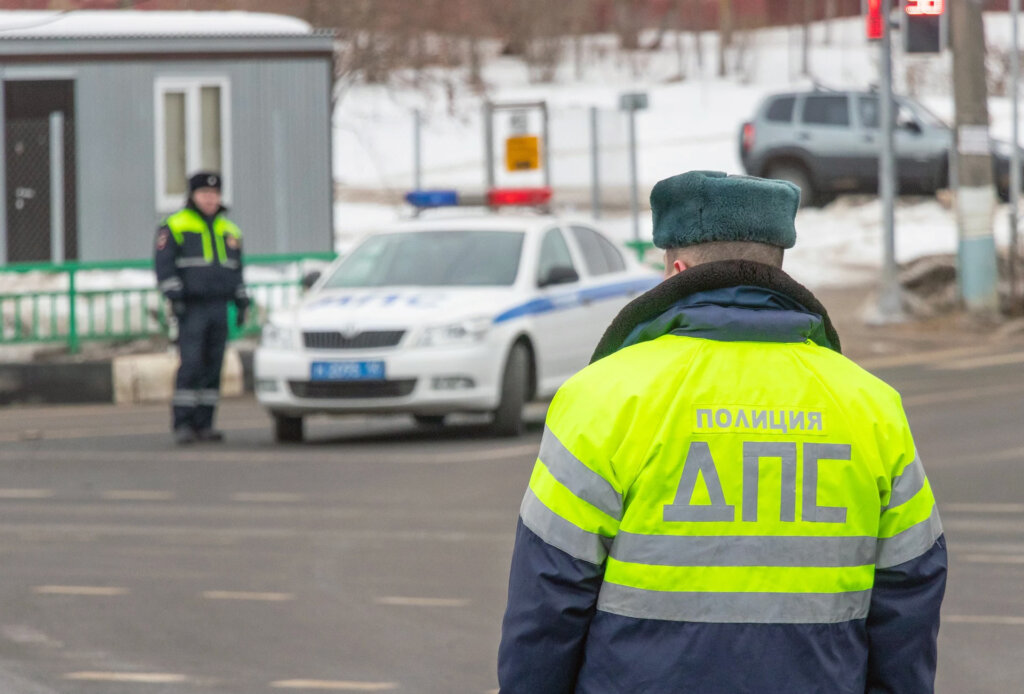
column 309, row 279
column 560, row 274
column 910, row 125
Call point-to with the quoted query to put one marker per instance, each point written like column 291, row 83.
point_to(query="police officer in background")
column 722, row 502
column 199, row 269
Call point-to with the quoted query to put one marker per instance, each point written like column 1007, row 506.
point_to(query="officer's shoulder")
column 631, row 367
column 844, row 370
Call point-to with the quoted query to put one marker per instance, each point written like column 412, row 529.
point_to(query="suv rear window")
column 781, row 110
column 826, row 110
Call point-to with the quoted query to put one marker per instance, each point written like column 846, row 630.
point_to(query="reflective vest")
column 717, row 492
column 201, row 247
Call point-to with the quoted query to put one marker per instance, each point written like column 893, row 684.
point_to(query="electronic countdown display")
column 924, row 26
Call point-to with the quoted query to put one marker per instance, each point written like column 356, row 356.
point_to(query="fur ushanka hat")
column 704, row 206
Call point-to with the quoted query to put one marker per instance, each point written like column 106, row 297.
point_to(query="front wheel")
column 798, row 176
column 288, row 429
column 508, row 418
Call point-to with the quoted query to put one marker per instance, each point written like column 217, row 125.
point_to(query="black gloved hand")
column 178, row 308
column 241, row 313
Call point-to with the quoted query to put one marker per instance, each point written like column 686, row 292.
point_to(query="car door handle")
column 803, row 136
column 870, row 139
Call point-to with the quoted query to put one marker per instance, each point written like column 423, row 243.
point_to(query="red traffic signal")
column 874, row 24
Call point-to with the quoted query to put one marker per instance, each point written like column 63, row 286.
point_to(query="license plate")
column 347, row 371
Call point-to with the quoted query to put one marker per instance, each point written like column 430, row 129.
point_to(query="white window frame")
column 191, row 87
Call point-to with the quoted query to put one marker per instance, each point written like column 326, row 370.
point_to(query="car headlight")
column 277, row 337
column 461, row 332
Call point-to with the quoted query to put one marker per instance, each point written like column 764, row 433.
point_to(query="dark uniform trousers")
column 202, row 337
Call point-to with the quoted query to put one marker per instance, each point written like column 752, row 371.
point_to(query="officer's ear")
column 673, row 264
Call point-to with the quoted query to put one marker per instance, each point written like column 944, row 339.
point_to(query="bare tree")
column 725, row 28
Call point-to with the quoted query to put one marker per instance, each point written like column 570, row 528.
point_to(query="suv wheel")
column 798, row 176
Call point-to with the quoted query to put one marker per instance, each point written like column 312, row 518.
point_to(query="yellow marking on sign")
column 522, row 153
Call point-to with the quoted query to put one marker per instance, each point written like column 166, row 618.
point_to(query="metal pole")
column 634, row 203
column 546, row 145
column 889, row 303
column 57, row 187
column 73, row 345
column 489, row 144
column 1015, row 152
column 417, row 152
column 595, row 166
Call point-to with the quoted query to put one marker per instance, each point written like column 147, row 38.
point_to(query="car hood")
column 398, row 308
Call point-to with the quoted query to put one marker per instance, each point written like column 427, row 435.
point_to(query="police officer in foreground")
column 722, row 502
column 199, row 270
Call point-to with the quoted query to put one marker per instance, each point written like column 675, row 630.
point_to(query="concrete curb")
column 126, row 379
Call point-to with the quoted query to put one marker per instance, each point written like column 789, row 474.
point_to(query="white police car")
column 432, row 317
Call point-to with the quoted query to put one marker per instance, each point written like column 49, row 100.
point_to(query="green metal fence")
column 54, row 303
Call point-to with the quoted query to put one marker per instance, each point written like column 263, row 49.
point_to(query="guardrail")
column 81, row 305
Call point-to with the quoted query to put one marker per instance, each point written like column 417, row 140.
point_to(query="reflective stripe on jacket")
column 711, row 509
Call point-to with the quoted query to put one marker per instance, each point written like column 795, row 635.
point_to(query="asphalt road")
column 374, row 558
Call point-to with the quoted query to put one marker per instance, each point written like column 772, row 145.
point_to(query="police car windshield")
column 432, row 259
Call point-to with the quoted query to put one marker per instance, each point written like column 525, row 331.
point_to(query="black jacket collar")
column 704, row 278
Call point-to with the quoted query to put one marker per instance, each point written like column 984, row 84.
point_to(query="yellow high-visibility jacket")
column 724, row 503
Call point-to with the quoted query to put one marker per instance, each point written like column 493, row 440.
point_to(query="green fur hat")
column 703, row 206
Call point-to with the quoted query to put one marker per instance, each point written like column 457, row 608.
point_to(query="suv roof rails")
column 819, row 87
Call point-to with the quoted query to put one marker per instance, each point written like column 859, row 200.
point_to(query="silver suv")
column 828, row 142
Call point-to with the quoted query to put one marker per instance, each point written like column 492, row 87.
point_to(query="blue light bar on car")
column 432, row 198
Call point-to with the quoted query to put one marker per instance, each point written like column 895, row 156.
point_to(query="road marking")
column 992, row 558
column 883, row 362
column 336, row 685
column 244, row 595
column 99, row 433
column 983, row 619
column 998, row 456
column 267, row 497
column 26, row 493
column 947, row 396
column 137, row 677
column 480, row 454
column 421, row 602
column 981, row 362
column 79, row 590
column 136, row 495
column 983, row 508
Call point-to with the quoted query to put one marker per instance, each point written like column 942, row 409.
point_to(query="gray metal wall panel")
column 115, row 130
column 293, row 187
column 116, row 161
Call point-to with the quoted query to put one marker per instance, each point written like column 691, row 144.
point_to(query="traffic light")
column 924, row 26
column 874, row 20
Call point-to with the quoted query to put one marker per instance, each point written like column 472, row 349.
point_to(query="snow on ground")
column 691, row 124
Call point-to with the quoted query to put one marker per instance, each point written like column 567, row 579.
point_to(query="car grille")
column 366, row 340
column 327, row 390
